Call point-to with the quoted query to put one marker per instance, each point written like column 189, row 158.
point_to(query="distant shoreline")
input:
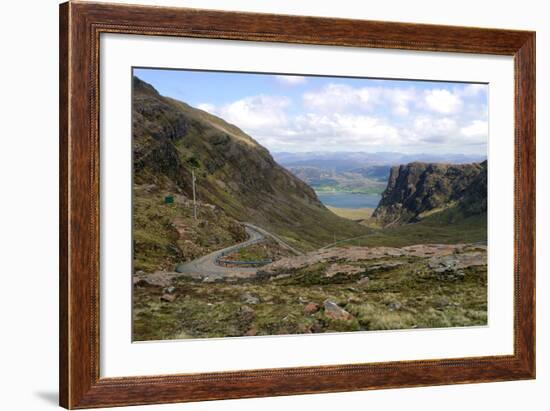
column 354, row 214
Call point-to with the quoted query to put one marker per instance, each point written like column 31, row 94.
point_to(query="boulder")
column 363, row 282
column 248, row 298
column 335, row 312
column 168, row 298
column 311, row 308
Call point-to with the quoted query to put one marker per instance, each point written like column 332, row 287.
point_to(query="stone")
column 345, row 269
column 168, row 298
column 335, row 312
column 251, row 333
column 141, row 282
column 441, row 303
column 311, row 308
column 385, row 265
column 248, row 298
column 394, row 305
column 170, row 290
column 246, row 314
column 363, row 282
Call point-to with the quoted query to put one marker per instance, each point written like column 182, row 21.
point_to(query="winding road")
column 207, row 267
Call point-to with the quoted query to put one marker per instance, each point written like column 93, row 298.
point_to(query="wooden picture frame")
column 80, row 27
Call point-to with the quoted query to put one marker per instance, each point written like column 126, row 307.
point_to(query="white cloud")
column 339, row 117
column 341, row 96
column 338, row 97
column 291, row 80
column 442, row 101
column 207, row 107
column 256, row 113
column 476, row 131
column 432, row 129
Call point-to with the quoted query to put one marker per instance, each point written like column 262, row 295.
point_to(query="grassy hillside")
column 446, row 227
column 233, row 172
column 168, row 234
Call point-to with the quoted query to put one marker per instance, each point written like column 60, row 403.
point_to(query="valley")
column 232, row 240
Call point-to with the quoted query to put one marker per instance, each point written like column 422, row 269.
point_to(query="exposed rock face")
column 417, row 190
column 233, row 171
column 336, row 257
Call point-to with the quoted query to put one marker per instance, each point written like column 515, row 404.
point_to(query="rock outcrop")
column 418, row 190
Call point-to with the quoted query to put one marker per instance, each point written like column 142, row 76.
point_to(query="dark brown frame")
column 80, row 27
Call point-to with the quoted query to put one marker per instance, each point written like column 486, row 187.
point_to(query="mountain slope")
column 234, row 172
column 418, row 190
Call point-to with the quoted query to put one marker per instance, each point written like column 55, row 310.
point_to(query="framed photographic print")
column 257, row 205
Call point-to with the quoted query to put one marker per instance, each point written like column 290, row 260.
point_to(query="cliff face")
column 417, row 190
column 233, row 172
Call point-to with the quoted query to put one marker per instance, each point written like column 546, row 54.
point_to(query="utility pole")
column 194, row 195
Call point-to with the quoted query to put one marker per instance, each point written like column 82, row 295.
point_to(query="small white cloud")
column 338, row 97
column 210, row 108
column 291, row 80
column 442, row 101
column 256, row 112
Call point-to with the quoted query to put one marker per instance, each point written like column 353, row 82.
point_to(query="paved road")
column 206, row 266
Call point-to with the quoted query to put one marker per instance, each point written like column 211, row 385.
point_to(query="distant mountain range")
column 348, row 161
column 356, row 172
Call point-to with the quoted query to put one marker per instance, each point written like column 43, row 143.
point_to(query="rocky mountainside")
column 418, row 190
column 233, row 172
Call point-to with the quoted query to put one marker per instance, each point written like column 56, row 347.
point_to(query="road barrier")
column 235, row 263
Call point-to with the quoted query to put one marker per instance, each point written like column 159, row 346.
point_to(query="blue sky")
column 307, row 113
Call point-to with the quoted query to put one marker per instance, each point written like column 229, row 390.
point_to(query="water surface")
column 349, row 200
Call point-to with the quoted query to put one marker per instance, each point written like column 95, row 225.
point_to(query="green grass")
column 168, row 234
column 265, row 250
column 438, row 228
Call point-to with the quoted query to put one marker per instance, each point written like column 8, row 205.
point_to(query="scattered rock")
column 156, row 279
column 316, row 327
column 385, row 265
column 333, row 311
column 168, row 298
column 354, row 254
column 394, row 305
column 441, row 303
column 249, row 299
column 363, row 282
column 170, row 290
column 311, row 308
column 246, row 314
column 141, row 282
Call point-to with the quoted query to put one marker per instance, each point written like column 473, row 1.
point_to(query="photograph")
column 275, row 204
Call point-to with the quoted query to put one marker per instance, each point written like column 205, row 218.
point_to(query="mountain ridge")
column 234, row 172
